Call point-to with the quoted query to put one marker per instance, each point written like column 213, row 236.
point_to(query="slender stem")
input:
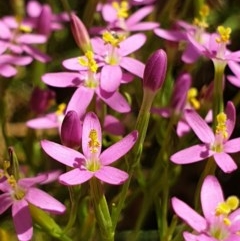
column 101, row 211
column 218, row 104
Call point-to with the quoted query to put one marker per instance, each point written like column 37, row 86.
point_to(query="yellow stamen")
column 224, row 34
column 233, row 202
column 191, row 98
column 93, row 143
column 121, row 8
column 227, row 221
column 112, row 38
column 221, row 125
column 25, row 28
column 228, row 206
column 89, row 61
column 202, row 20
column 60, row 109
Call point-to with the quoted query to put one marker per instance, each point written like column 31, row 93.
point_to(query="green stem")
column 218, row 104
column 134, row 155
column 101, row 211
column 208, row 170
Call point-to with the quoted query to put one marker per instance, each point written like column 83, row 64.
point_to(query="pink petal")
column 119, row 149
column 190, row 54
column 22, row 220
column 139, row 15
column 32, row 38
column 80, row 100
column 111, row 175
column 190, row 237
column 73, row 64
column 109, row 13
column 231, row 117
column 192, row 154
column 235, row 67
column 113, row 125
column 131, row 44
column 31, row 181
column 110, row 78
column 63, row 154
column 234, row 80
column 143, row 26
column 232, row 146
column 211, row 196
column 91, row 123
column 6, row 201
column 171, row 35
column 34, row 9
column 47, row 122
column 98, row 46
column 75, row 177
column 164, row 111
column 44, row 201
column 35, row 53
column 133, row 66
column 116, row 102
column 199, row 126
column 62, row 79
column 7, row 70
column 225, row 162
column 182, row 128
column 190, row 216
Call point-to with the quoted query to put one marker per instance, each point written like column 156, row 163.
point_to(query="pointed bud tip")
column 155, row 70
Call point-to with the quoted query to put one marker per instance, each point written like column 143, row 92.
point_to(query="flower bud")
column 44, row 20
column 155, row 70
column 71, row 130
column 80, row 33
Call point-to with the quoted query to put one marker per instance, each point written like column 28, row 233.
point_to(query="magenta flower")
column 220, row 220
column 19, row 194
column 215, row 144
column 93, row 162
column 118, row 17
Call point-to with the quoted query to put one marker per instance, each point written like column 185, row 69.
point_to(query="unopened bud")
column 80, row 34
column 155, row 70
column 44, row 20
column 71, row 130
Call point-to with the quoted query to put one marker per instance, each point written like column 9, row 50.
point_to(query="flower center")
column 221, row 128
column 191, row 98
column 112, row 38
column 121, row 8
column 224, row 34
column 89, row 61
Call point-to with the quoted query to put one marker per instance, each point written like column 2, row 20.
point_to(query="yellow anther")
column 232, row 202
column 6, row 165
column 112, row 38
column 12, row 181
column 222, row 209
column 227, row 221
column 202, row 20
column 191, row 98
column 121, row 8
column 60, row 109
column 89, row 61
column 25, row 28
column 93, row 143
column 221, row 124
column 224, row 34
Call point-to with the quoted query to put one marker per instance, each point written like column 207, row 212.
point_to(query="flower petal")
column 211, row 195
column 110, row 78
column 191, row 154
column 133, row 66
column 119, row 149
column 6, row 201
column 131, row 44
column 22, row 220
column 116, row 101
column 232, row 146
column 44, row 201
column 113, row 125
column 46, row 122
column 190, row 216
column 62, row 79
column 143, row 26
column 225, row 162
column 80, row 100
column 91, row 124
column 199, row 126
column 75, row 177
column 111, row 175
column 231, row 117
column 63, row 154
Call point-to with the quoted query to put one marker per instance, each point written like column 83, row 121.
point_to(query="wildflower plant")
column 119, row 120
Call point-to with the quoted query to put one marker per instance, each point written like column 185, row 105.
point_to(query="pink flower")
column 215, row 144
column 220, row 220
column 20, row 193
column 93, row 162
